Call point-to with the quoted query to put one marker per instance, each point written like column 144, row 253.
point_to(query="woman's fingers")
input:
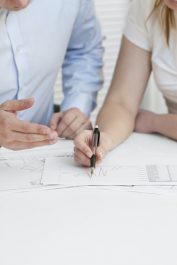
column 83, row 143
column 81, row 158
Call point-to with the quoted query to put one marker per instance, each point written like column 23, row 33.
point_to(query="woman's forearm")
column 165, row 124
column 117, row 116
column 116, row 121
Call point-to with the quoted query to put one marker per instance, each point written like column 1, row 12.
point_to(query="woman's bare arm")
column 117, row 116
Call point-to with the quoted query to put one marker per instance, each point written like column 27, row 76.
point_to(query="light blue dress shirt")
column 38, row 41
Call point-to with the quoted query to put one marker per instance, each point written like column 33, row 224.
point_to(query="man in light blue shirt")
column 37, row 38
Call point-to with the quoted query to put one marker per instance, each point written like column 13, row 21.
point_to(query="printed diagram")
column 36, row 169
column 64, row 171
column 23, row 165
column 23, row 173
column 23, row 170
column 101, row 171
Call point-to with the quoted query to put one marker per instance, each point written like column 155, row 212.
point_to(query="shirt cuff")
column 86, row 103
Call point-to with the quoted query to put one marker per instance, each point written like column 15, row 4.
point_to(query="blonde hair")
column 166, row 16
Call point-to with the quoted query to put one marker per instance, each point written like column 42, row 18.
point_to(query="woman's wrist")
column 154, row 125
column 107, row 143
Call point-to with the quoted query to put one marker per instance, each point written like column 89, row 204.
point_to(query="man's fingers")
column 27, row 127
column 22, row 3
column 65, row 123
column 17, row 105
column 76, row 126
column 22, row 145
column 71, row 123
column 87, row 125
column 56, row 118
column 15, row 4
column 31, row 138
column 70, row 130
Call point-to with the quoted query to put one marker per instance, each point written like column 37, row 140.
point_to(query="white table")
column 88, row 226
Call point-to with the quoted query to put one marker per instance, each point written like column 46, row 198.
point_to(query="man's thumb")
column 17, row 105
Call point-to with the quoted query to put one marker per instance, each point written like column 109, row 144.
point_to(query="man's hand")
column 145, row 122
column 16, row 134
column 14, row 4
column 69, row 123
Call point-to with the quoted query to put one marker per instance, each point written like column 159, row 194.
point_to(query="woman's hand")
column 14, row 4
column 83, row 147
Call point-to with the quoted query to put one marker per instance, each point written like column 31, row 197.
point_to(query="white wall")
column 112, row 15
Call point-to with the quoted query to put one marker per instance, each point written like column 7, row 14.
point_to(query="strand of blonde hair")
column 167, row 18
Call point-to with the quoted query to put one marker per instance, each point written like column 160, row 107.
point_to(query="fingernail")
column 89, row 154
column 53, row 136
column 53, row 141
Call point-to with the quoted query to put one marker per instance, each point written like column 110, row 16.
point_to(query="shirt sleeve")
column 82, row 68
column 138, row 24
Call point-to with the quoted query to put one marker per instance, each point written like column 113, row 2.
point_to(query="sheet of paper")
column 20, row 174
column 24, row 170
column 141, row 160
column 64, row 171
column 21, row 170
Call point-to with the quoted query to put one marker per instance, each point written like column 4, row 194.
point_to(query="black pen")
column 95, row 144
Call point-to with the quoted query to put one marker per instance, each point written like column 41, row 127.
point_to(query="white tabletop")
column 88, row 226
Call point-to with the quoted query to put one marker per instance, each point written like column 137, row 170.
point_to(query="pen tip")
column 91, row 172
